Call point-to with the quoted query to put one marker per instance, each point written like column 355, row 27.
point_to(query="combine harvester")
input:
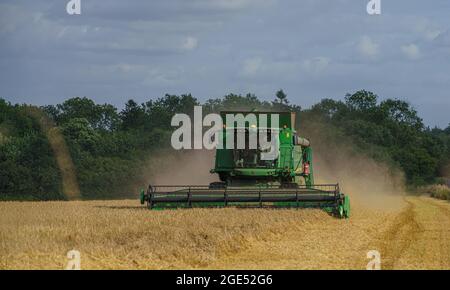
column 249, row 181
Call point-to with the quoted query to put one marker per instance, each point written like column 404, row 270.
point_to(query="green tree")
column 281, row 97
column 133, row 116
column 109, row 149
column 361, row 100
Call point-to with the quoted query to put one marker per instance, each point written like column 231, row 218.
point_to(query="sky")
column 312, row 49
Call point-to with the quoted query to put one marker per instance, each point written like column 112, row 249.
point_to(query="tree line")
column 108, row 146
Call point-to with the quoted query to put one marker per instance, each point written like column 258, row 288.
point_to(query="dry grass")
column 438, row 191
column 123, row 235
column 415, row 237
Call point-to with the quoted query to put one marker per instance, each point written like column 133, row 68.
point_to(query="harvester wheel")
column 142, row 196
column 343, row 209
column 346, row 206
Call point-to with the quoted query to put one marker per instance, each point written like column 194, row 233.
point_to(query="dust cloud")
column 368, row 182
column 187, row 167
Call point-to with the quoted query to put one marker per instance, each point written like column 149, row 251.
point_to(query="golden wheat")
column 124, row 235
column 121, row 234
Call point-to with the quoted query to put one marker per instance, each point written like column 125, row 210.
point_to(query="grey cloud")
column 142, row 49
column 443, row 39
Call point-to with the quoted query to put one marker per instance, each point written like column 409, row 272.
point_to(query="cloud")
column 316, row 65
column 141, row 49
column 427, row 28
column 163, row 77
column 411, row 51
column 367, row 47
column 259, row 69
column 190, row 43
column 230, row 4
column 252, row 66
column 443, row 39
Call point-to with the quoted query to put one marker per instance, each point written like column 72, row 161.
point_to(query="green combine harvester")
column 246, row 180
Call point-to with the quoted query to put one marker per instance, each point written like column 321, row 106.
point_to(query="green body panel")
column 285, row 159
column 224, row 157
column 298, row 164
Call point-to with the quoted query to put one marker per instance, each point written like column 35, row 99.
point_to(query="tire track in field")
column 323, row 242
column 399, row 237
column 416, row 237
column 419, row 237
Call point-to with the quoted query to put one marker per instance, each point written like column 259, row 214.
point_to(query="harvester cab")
column 291, row 165
column 254, row 174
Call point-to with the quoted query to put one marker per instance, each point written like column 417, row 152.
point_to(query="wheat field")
column 124, row 235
